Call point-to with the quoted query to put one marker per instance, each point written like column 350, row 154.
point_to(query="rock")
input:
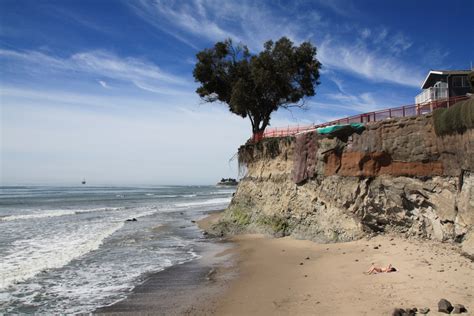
column 131, row 220
column 444, row 306
column 424, row 310
column 396, row 177
column 211, row 274
column 459, row 308
column 301, row 263
column 376, row 247
column 404, row 312
column 468, row 244
column 411, row 311
column 307, row 258
column 398, row 312
column 193, row 221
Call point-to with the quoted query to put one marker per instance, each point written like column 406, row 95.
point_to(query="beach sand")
column 284, row 276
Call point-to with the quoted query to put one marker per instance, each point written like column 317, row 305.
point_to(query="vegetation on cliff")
column 456, row 119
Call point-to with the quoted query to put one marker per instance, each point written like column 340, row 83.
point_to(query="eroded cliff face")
column 395, row 176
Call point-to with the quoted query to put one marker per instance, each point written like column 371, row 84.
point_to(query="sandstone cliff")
column 396, row 176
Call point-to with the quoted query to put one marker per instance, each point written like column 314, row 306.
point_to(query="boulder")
column 444, row 306
column 398, row 312
column 468, row 245
column 404, row 312
column 459, row 308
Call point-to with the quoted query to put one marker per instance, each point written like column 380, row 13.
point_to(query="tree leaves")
column 257, row 85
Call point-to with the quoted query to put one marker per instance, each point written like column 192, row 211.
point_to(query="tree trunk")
column 257, row 129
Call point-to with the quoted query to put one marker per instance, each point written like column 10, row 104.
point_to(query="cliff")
column 395, row 176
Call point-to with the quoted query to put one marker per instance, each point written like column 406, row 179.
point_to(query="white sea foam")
column 205, row 202
column 29, row 257
column 54, row 213
column 38, row 215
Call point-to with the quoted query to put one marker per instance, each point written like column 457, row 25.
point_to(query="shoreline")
column 192, row 287
column 285, row 276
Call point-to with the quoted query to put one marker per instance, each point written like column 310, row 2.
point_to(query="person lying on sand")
column 374, row 270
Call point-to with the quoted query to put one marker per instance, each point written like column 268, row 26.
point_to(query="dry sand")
column 284, row 276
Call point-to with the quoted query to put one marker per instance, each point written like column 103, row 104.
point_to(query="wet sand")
column 191, row 288
column 284, row 276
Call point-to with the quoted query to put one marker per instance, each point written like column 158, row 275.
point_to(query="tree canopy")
column 255, row 86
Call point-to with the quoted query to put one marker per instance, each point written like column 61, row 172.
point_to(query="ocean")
column 72, row 250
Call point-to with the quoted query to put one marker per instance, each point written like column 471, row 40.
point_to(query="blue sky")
column 104, row 89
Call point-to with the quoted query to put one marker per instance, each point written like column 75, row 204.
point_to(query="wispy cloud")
column 104, row 64
column 213, row 20
column 341, row 7
column 373, row 65
column 372, row 55
column 103, row 83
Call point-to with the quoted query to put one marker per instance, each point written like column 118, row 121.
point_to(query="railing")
column 369, row 117
column 432, row 94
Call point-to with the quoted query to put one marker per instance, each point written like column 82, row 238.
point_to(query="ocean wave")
column 205, row 202
column 54, row 213
column 29, row 257
column 175, row 195
column 227, row 191
column 188, row 195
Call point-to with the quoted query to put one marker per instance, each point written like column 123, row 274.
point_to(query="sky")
column 104, row 89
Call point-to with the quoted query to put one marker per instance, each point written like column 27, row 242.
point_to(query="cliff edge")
column 395, row 176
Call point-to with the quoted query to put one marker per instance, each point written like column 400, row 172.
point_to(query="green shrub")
column 278, row 225
column 456, row 119
column 240, row 217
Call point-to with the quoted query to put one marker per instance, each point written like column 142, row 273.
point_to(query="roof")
column 435, row 75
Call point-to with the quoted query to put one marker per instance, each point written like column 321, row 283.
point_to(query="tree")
column 255, row 86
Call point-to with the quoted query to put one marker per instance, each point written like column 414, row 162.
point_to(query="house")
column 443, row 84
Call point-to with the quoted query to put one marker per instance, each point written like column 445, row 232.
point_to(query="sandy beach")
column 295, row 277
column 259, row 275
column 284, row 276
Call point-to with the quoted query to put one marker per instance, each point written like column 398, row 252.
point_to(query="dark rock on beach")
column 444, row 306
column 398, row 312
column 459, row 308
column 404, row 312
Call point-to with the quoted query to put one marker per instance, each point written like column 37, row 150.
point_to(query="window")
column 460, row 82
column 465, row 82
column 457, row 82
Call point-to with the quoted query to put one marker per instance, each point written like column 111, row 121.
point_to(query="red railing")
column 369, row 117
